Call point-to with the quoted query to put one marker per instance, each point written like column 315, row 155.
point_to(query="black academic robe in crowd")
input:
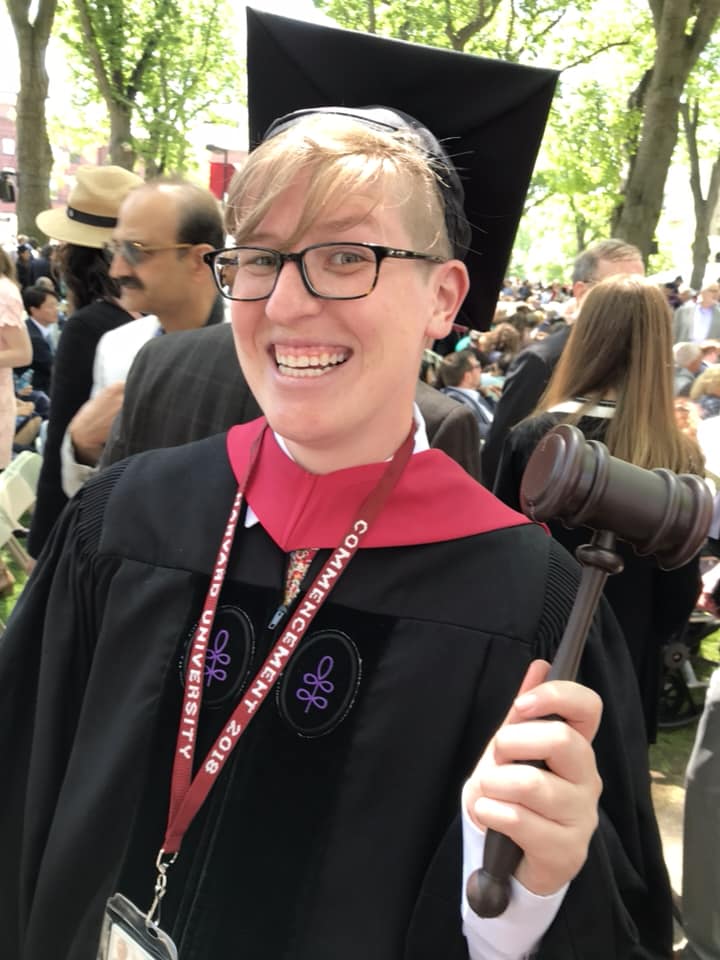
column 652, row 605
column 333, row 832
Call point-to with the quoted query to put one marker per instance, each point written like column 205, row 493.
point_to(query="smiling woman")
column 362, row 255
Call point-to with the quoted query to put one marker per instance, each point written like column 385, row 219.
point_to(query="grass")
column 7, row 603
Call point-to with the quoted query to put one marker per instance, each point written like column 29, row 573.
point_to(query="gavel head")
column 576, row 481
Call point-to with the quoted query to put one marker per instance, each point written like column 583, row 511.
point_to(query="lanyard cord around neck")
column 187, row 794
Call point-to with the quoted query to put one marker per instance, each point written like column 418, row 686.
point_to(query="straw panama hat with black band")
column 91, row 214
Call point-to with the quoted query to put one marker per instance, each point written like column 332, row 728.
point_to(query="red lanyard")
column 187, row 794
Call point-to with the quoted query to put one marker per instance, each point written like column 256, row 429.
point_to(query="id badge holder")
column 128, row 934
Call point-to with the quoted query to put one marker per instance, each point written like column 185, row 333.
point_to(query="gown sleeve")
column 45, row 658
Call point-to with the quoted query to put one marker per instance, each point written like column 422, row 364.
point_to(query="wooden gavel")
column 658, row 512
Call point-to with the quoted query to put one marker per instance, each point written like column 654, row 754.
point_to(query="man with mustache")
column 164, row 228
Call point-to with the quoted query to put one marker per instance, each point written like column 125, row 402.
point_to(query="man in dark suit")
column 190, row 386
column 42, row 309
column 530, row 371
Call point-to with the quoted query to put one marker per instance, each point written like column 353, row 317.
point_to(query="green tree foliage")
column 583, row 157
column 511, row 29
column 159, row 65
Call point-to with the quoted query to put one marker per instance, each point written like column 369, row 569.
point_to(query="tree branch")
column 510, row 31
column 656, row 9
column 690, row 115
column 595, row 53
column 93, row 47
column 152, row 41
column 459, row 38
column 707, row 15
column 532, row 39
column 19, row 11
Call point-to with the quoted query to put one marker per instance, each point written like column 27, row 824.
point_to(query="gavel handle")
column 488, row 889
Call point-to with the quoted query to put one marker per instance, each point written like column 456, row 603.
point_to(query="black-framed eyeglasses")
column 135, row 252
column 331, row 271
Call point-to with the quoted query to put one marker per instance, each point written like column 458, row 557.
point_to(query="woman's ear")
column 450, row 284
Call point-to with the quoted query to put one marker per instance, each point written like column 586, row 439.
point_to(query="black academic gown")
column 326, row 836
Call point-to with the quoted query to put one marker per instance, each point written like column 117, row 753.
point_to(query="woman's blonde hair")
column 341, row 157
column 621, row 345
column 707, row 382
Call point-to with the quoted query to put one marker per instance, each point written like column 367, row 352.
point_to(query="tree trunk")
column 121, row 146
column 704, row 205
column 643, row 195
column 704, row 211
column 676, row 54
column 34, row 156
column 701, row 255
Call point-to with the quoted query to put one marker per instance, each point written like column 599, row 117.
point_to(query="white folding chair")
column 18, row 485
column 9, row 540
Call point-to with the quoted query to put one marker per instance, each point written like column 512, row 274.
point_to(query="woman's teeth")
column 308, row 365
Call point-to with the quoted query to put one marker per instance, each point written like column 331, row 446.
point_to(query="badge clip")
column 153, row 914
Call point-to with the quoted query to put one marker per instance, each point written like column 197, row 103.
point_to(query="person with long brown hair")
column 614, row 381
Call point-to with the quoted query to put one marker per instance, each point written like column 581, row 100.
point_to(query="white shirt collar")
column 605, row 409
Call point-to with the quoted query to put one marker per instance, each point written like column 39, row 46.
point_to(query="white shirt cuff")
column 515, row 934
column 73, row 474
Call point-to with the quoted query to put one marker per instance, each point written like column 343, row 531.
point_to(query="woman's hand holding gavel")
column 551, row 814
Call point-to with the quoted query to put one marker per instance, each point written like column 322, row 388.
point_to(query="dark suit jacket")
column 526, row 379
column 189, row 386
column 42, row 359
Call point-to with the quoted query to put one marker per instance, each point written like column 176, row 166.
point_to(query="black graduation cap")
column 488, row 115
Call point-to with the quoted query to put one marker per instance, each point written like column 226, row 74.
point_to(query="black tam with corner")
column 333, row 831
column 488, row 115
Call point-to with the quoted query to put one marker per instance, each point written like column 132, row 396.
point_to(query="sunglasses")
column 134, row 252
